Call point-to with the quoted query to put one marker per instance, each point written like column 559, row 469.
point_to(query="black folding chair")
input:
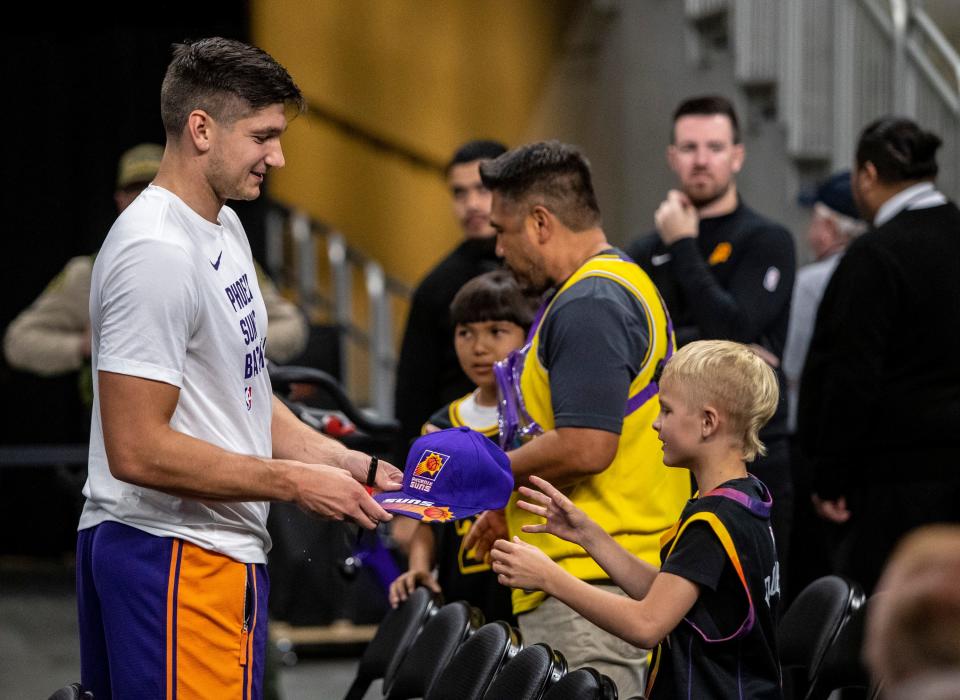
column 74, row 691
column 394, row 637
column 436, row 644
column 583, row 684
column 531, row 673
column 843, row 665
column 811, row 627
column 476, row 663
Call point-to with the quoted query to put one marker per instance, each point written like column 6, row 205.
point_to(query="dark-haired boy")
column 491, row 316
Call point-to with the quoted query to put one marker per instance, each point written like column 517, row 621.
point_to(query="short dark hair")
column 551, row 173
column 493, row 296
column 224, row 77
column 481, row 149
column 899, row 149
column 707, row 105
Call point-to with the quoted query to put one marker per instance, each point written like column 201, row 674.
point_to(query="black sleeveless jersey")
column 725, row 647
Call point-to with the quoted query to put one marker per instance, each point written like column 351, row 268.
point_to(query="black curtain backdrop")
column 73, row 102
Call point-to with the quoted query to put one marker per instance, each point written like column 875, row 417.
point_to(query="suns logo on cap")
column 427, row 469
column 430, row 464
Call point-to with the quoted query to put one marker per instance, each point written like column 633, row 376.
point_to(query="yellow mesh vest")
column 636, row 499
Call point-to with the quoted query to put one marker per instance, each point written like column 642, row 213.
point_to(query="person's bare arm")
column 564, row 520
column 564, row 456
column 143, row 449
column 292, row 439
column 643, row 623
column 419, row 569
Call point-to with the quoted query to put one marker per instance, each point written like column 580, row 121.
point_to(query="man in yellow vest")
column 579, row 400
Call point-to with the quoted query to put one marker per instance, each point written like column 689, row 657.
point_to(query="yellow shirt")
column 636, row 499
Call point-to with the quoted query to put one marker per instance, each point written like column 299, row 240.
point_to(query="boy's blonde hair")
column 732, row 377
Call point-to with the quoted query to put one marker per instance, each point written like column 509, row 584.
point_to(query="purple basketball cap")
column 450, row 475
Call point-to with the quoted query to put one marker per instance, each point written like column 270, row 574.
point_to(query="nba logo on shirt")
column 248, row 393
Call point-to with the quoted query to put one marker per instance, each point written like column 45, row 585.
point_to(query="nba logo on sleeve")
column 248, row 395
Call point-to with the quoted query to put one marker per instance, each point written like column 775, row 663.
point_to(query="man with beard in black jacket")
column 724, row 271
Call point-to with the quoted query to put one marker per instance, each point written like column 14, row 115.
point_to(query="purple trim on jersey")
column 744, row 628
column 690, row 669
column 653, row 388
column 760, row 508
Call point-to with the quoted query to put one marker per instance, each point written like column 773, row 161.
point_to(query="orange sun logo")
column 429, row 464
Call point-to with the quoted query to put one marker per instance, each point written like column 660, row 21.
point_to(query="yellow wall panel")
column 423, row 75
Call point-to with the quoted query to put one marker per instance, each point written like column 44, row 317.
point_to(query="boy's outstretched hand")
column 564, row 519
column 404, row 584
column 522, row 565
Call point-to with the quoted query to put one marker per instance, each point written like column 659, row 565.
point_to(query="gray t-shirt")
column 592, row 343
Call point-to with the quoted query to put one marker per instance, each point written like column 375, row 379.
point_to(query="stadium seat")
column 74, row 691
column 812, row 625
column 583, row 684
column 433, row 648
column 394, row 636
column 477, row 662
column 531, row 673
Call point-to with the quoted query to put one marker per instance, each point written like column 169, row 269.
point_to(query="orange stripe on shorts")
column 204, row 644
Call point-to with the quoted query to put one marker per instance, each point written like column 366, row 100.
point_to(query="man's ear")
column 544, row 222
column 739, row 155
column 199, row 128
column 709, row 422
column 869, row 175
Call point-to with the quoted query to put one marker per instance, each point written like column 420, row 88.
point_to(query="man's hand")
column 834, row 511
column 404, row 584
column 676, row 218
column 389, row 478
column 333, row 493
column 521, row 565
column 563, row 518
column 489, row 526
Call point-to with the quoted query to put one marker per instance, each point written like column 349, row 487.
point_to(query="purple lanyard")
column 515, row 422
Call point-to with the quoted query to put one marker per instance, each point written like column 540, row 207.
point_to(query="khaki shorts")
column 585, row 644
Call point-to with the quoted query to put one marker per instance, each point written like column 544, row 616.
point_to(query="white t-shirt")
column 174, row 298
column 473, row 415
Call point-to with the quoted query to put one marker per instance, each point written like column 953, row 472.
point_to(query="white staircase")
column 835, row 65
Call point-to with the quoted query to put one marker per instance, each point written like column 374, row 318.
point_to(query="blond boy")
column 710, row 609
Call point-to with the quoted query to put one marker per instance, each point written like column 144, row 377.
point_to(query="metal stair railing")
column 839, row 64
column 297, row 247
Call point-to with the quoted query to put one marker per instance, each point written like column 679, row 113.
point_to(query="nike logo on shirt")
column 658, row 260
column 216, row 265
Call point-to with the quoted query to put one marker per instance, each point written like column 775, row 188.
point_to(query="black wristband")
column 372, row 471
